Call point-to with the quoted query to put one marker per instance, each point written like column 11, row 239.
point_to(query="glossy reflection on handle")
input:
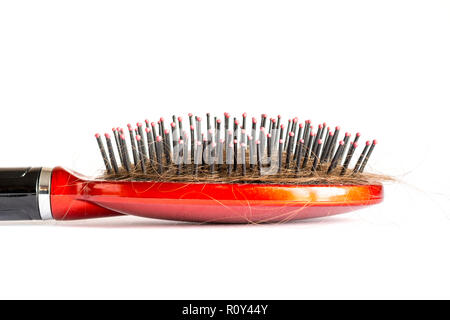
column 76, row 197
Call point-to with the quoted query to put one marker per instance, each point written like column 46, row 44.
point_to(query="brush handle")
column 20, row 192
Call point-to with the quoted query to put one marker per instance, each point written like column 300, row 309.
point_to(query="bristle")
column 259, row 157
column 208, row 121
column 142, row 162
column 346, row 140
column 299, row 137
column 112, row 157
column 159, row 148
column 124, row 151
column 243, row 164
column 192, row 143
column 198, row 157
column 251, row 151
column 103, row 153
column 333, row 143
column 211, row 154
column 117, row 140
column 141, row 133
column 263, row 120
column 235, row 154
column 150, row 145
column 316, row 154
column 361, row 157
column 357, row 137
column 220, row 153
column 280, row 155
column 299, row 155
column 167, row 151
column 134, row 149
column 336, row 156
column 366, row 158
column 288, row 129
column 229, row 156
column 329, row 138
column 244, row 120
column 289, row 149
column 307, row 149
column 348, row 158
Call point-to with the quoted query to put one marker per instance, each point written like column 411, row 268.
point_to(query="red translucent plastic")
column 76, row 197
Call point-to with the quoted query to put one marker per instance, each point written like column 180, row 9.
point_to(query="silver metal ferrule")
column 45, row 209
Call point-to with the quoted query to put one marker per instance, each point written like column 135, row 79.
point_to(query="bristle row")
column 278, row 149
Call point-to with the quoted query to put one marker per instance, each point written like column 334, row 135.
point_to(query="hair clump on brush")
column 227, row 151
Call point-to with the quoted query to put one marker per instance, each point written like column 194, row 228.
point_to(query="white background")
column 70, row 69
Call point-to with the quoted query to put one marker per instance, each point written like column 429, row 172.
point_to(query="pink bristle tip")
column 192, row 127
column 262, row 129
column 190, row 114
column 139, row 124
column 358, row 134
column 244, row 114
column 269, row 135
column 219, row 121
column 347, row 134
column 374, row 141
column 138, row 138
column 107, row 136
column 146, row 121
column 302, row 141
column 173, row 125
column 153, row 124
column 97, row 135
column 161, row 119
column 291, row 134
column 158, row 138
column 147, row 130
column 166, row 131
column 338, row 128
column 355, row 145
column 341, row 142
column 180, row 119
column 319, row 141
column 367, row 143
column 279, row 116
column 280, row 141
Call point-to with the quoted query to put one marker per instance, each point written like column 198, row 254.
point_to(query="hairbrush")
column 234, row 170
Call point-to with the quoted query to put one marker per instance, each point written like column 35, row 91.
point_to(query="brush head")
column 177, row 156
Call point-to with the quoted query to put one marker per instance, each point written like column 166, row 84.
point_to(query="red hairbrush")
column 220, row 175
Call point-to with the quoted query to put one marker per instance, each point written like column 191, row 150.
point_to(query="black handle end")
column 19, row 193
